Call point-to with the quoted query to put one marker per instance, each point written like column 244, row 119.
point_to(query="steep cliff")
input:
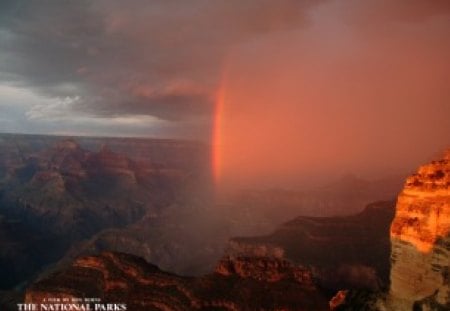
column 420, row 236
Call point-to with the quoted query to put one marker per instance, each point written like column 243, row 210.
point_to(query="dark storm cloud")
column 159, row 58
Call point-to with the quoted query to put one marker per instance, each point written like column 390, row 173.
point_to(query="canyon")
column 65, row 197
column 134, row 221
column 54, row 192
column 380, row 262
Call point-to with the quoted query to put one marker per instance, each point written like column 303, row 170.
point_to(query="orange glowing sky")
column 332, row 99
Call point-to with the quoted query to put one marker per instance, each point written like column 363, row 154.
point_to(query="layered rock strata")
column 420, row 237
column 126, row 279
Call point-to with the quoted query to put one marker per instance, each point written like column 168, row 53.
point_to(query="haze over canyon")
column 225, row 155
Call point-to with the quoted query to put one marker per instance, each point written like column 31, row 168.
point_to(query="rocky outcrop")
column 420, row 235
column 338, row 299
column 343, row 252
column 265, row 269
column 125, row 279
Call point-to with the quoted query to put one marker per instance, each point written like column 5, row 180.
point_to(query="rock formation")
column 126, row 279
column 344, row 252
column 338, row 300
column 420, row 236
column 268, row 269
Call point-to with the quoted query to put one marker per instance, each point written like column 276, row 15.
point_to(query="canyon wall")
column 420, row 238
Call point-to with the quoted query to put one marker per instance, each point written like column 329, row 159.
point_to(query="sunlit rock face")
column 420, row 237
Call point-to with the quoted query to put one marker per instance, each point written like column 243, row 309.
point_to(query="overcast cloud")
column 109, row 59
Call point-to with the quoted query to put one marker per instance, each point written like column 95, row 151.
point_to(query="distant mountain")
column 255, row 212
column 75, row 192
column 170, row 153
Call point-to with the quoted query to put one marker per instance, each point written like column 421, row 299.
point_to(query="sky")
column 136, row 68
column 312, row 86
